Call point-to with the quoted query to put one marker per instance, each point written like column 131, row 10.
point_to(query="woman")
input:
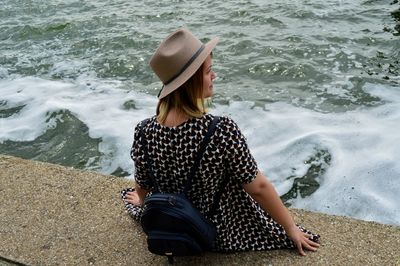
column 250, row 214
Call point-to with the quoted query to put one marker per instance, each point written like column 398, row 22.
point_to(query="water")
column 314, row 85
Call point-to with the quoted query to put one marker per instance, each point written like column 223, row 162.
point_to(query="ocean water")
column 314, row 86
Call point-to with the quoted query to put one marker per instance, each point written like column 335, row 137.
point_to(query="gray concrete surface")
column 53, row 215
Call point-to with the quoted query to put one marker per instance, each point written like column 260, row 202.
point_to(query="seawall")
column 54, row 215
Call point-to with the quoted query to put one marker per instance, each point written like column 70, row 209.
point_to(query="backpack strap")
column 203, row 146
column 204, row 143
column 217, row 196
column 143, row 142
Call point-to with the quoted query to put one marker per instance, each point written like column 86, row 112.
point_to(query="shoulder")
column 223, row 120
column 226, row 125
column 145, row 124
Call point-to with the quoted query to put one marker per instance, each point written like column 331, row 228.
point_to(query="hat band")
column 186, row 65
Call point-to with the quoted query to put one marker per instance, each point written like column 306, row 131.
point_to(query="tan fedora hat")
column 178, row 57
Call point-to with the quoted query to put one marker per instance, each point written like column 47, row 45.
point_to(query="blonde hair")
column 188, row 98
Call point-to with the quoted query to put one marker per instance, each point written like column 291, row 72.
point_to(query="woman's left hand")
column 133, row 198
column 301, row 240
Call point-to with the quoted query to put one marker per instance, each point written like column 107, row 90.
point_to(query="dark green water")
column 313, row 84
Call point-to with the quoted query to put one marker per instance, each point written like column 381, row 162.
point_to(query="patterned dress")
column 241, row 223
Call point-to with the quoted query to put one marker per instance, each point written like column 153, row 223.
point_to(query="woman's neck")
column 175, row 118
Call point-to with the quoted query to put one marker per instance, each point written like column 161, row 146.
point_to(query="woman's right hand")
column 301, row 240
column 262, row 191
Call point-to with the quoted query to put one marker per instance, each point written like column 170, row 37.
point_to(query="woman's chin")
column 208, row 94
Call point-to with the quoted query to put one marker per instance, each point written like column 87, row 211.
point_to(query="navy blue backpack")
column 174, row 227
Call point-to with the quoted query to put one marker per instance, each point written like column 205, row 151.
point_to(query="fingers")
column 132, row 197
column 131, row 193
column 300, row 249
column 309, row 241
column 310, row 247
column 312, row 243
column 304, row 243
column 302, row 240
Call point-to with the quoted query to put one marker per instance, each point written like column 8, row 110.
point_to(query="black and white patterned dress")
column 241, row 222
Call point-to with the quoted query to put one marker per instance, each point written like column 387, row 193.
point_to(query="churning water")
column 314, row 86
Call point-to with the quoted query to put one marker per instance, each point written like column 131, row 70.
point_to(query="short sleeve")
column 142, row 177
column 240, row 163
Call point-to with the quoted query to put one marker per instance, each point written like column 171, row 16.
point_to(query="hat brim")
column 185, row 75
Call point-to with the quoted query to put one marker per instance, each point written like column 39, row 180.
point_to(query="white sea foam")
column 97, row 104
column 3, row 73
column 362, row 180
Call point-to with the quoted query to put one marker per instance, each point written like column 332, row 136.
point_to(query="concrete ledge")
column 53, row 215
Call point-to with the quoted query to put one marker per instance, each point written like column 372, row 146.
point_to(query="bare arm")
column 142, row 193
column 262, row 191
